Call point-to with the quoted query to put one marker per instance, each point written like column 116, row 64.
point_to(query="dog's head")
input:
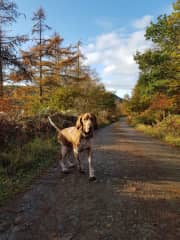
column 87, row 123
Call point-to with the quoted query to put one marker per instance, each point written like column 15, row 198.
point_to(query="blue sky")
column 111, row 32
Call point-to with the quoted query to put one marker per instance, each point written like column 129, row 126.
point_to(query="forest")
column 45, row 76
column 154, row 106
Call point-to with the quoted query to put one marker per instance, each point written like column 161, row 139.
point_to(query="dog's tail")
column 53, row 124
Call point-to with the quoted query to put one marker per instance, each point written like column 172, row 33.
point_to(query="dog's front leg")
column 76, row 155
column 91, row 169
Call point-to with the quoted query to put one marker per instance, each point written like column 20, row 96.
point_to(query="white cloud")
column 142, row 22
column 109, row 69
column 112, row 53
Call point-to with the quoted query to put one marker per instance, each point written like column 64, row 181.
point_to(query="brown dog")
column 78, row 139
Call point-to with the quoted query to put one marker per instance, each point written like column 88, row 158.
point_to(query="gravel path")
column 136, row 195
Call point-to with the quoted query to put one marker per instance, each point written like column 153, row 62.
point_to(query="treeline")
column 46, row 76
column 155, row 99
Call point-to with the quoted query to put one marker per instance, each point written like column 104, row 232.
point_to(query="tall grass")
column 19, row 166
column 167, row 130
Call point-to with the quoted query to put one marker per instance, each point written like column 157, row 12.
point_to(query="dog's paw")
column 93, row 178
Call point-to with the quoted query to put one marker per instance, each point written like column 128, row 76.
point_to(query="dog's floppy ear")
column 95, row 121
column 79, row 122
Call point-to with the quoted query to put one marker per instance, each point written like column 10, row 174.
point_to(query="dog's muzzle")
column 88, row 134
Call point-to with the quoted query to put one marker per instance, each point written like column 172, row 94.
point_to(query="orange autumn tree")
column 61, row 62
column 48, row 64
column 162, row 104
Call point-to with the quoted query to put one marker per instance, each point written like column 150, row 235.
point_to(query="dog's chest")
column 84, row 144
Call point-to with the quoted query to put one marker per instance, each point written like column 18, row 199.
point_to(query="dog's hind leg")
column 70, row 162
column 64, row 153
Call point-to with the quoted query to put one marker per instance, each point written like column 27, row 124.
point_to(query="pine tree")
column 61, row 59
column 8, row 44
column 38, row 28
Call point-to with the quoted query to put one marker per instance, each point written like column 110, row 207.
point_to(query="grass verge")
column 159, row 133
column 20, row 165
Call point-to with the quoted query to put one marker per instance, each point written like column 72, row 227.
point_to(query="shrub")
column 143, row 118
column 77, row 99
column 171, row 125
column 168, row 129
column 17, row 133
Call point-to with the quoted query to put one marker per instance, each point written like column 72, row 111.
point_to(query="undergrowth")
column 20, row 165
column 168, row 129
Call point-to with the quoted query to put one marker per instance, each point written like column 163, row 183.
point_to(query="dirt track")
column 136, row 195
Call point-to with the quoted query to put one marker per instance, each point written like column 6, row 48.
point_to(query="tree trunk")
column 1, row 78
column 78, row 62
column 1, row 69
column 40, row 65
